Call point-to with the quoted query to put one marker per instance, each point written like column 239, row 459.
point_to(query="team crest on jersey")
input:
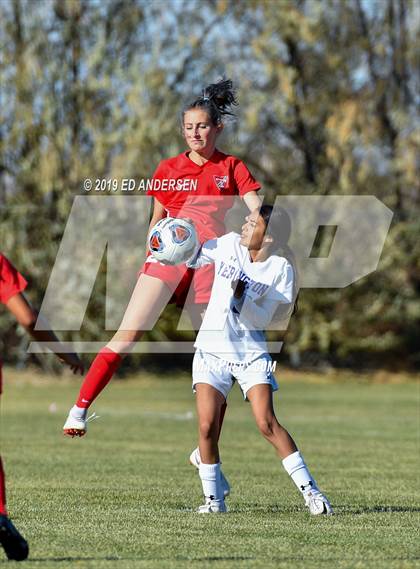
column 221, row 182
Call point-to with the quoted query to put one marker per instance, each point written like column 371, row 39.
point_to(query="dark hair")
column 279, row 226
column 216, row 99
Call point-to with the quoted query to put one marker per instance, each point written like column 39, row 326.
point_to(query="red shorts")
column 188, row 286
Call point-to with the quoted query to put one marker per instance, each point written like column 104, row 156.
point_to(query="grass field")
column 124, row 496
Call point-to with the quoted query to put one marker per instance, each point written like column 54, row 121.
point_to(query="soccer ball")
column 172, row 240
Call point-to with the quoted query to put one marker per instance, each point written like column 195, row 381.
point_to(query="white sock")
column 79, row 412
column 210, row 479
column 296, row 468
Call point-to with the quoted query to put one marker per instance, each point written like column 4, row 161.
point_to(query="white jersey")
column 234, row 329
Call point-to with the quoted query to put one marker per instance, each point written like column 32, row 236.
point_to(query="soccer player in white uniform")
column 253, row 281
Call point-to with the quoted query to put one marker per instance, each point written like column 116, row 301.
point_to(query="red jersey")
column 203, row 193
column 11, row 283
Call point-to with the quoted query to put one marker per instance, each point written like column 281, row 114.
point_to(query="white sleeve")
column 258, row 314
column 205, row 254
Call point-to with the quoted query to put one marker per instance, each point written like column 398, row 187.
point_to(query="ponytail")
column 216, row 99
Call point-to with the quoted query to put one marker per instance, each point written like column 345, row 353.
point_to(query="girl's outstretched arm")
column 27, row 316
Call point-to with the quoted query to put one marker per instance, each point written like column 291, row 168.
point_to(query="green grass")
column 124, row 496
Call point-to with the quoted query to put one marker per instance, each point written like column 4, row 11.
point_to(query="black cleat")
column 15, row 546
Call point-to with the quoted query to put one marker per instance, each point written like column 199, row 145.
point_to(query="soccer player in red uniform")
column 12, row 284
column 217, row 177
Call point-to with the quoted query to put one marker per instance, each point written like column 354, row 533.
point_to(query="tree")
column 327, row 95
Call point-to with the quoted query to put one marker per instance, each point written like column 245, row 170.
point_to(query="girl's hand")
column 73, row 361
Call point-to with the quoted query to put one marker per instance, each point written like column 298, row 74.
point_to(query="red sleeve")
column 160, row 174
column 245, row 181
column 11, row 281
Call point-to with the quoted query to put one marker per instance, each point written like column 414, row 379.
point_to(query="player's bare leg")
column 196, row 314
column 147, row 302
column 195, row 458
column 261, row 399
column 149, row 298
column 209, row 402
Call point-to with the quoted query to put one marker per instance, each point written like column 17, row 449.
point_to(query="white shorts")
column 221, row 374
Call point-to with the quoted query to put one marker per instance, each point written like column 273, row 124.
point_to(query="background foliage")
column 327, row 95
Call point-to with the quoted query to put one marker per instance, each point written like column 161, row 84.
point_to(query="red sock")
column 2, row 490
column 222, row 416
column 100, row 372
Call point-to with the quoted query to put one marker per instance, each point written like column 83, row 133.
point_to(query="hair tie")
column 206, row 98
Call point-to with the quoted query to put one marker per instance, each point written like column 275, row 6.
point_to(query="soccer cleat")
column 212, row 507
column 76, row 426
column 318, row 504
column 15, row 546
column 195, row 460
